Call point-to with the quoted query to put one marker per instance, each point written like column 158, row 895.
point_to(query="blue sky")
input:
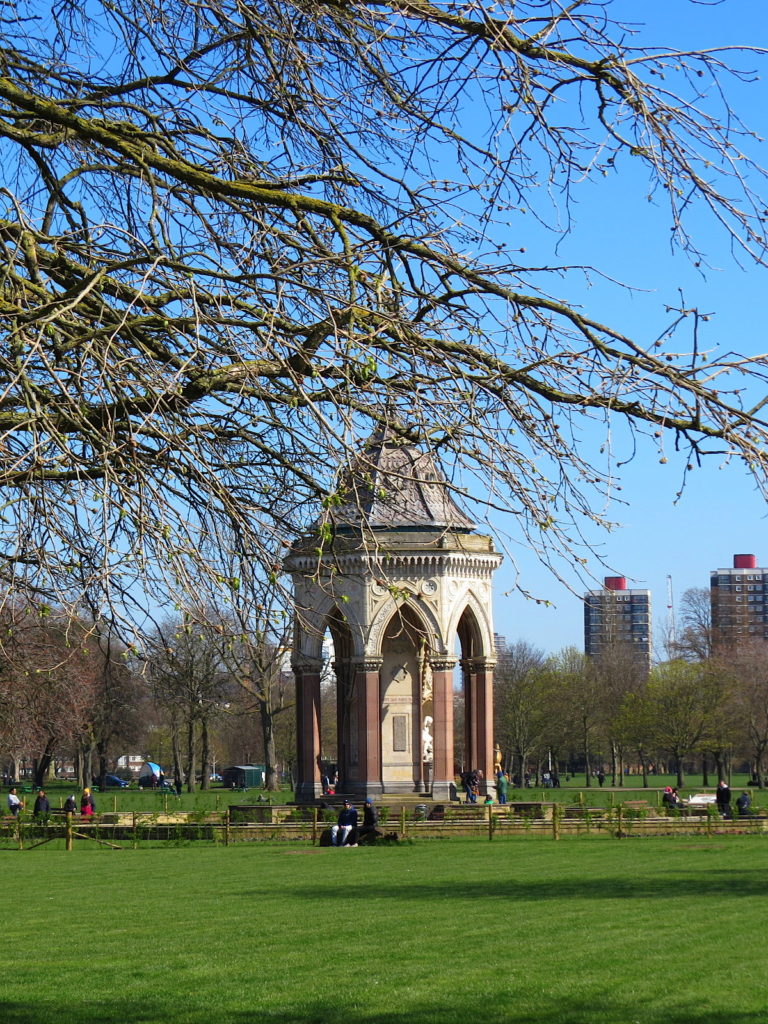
column 720, row 512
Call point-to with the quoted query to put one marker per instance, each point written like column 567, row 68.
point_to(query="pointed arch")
column 327, row 614
column 472, row 623
column 430, row 627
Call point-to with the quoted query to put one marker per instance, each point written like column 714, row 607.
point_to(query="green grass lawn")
column 653, row 931
column 217, row 798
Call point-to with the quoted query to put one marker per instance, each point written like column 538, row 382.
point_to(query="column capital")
column 478, row 664
column 304, row 666
column 368, row 665
column 442, row 664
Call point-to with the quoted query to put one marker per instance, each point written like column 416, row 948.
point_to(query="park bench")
column 526, row 809
column 574, row 812
column 639, row 808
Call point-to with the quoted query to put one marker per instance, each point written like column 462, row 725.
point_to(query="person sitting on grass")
column 744, row 804
column 344, row 832
column 369, row 831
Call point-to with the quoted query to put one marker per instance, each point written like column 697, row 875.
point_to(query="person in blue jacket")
column 344, row 832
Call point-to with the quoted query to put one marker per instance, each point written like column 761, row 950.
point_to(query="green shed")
column 244, row 776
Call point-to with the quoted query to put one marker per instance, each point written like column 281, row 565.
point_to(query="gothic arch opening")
column 470, row 711
column 405, row 698
column 337, row 700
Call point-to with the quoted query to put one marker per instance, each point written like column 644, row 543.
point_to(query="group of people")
column 723, row 801
column 671, row 799
column 42, row 808
column 348, row 832
column 471, row 781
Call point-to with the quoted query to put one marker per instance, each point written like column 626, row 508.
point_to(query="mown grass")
column 653, row 931
column 217, row 798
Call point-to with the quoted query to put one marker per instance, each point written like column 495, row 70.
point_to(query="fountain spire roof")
column 392, row 484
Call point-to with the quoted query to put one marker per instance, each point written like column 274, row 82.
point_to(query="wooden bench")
column 640, row 808
column 575, row 812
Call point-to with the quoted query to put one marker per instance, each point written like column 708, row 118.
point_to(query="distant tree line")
column 203, row 693
column 702, row 709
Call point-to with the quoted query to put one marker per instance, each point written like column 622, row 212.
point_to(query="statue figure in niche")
column 426, row 673
column 426, row 739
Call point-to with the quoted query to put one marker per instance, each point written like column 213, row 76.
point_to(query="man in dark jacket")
column 723, row 799
column 42, row 808
column 369, row 831
column 344, row 832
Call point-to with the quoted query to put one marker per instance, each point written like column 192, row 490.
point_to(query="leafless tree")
column 520, row 712
column 620, row 669
column 694, row 640
column 232, row 246
column 574, row 705
column 748, row 675
column 684, row 700
column 188, row 676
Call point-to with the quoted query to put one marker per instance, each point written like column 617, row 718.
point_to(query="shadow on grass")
column 610, row 1011
column 741, row 884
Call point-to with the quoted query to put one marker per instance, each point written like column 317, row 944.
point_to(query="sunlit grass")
column 575, row 932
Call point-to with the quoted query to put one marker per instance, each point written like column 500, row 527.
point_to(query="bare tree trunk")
column 190, row 769
column 176, row 748
column 704, row 770
column 43, row 764
column 268, row 735
column 102, row 756
column 205, row 755
column 644, row 768
column 587, row 766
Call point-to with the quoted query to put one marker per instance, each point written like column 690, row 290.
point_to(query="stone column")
column 471, row 714
column 482, row 678
column 368, row 724
column 443, row 778
column 342, row 670
column 308, row 784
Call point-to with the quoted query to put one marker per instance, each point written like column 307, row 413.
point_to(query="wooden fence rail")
column 307, row 824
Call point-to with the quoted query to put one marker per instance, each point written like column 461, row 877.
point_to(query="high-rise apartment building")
column 615, row 618
column 739, row 598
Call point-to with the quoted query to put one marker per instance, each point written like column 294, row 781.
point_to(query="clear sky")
column 720, row 513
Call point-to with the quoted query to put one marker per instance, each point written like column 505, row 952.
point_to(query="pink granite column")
column 482, row 673
column 471, row 715
column 308, row 784
column 368, row 689
column 443, row 778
